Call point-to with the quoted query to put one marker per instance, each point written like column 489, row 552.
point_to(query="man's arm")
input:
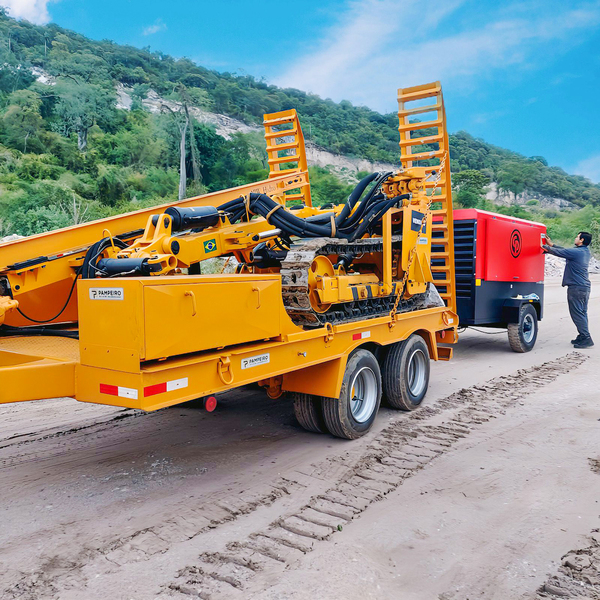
column 561, row 252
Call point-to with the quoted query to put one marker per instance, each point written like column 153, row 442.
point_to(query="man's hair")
column 585, row 237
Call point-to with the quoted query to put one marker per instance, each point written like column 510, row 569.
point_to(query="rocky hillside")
column 345, row 167
column 90, row 128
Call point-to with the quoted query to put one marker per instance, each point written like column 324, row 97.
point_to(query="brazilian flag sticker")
column 210, row 246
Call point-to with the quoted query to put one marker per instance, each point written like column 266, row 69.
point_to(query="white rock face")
column 10, row 238
column 42, row 77
column 224, row 125
column 508, row 199
column 345, row 167
column 124, row 100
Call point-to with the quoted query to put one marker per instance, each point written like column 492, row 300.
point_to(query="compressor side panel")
column 512, row 250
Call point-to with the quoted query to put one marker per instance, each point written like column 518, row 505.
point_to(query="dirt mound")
column 555, row 266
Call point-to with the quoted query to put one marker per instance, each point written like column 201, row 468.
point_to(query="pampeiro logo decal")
column 255, row 361
column 107, row 293
column 516, row 243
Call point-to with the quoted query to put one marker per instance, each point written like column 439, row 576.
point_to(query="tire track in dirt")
column 579, row 573
column 188, row 522
column 179, row 523
column 36, row 436
column 400, row 451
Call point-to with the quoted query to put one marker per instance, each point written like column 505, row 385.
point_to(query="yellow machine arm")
column 38, row 272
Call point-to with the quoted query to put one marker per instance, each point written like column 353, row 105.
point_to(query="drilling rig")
column 338, row 305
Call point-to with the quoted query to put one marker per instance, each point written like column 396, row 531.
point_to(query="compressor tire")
column 352, row 414
column 406, row 373
column 522, row 335
column 309, row 412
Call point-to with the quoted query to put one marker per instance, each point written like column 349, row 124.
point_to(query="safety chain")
column 413, row 251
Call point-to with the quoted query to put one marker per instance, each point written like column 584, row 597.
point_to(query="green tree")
column 68, row 62
column 80, row 107
column 470, row 187
column 517, row 176
column 326, row 187
column 22, row 122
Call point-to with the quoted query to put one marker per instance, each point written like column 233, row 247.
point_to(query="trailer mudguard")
column 512, row 309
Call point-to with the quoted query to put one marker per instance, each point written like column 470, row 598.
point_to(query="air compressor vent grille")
column 464, row 255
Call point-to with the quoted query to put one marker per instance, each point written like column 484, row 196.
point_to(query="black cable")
column 486, row 332
column 354, row 197
column 62, row 310
column 89, row 262
column 356, row 216
column 89, row 269
column 348, row 225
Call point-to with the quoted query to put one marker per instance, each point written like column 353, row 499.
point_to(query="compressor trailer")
column 335, row 304
column 499, row 273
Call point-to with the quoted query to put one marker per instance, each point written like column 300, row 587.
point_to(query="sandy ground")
column 491, row 490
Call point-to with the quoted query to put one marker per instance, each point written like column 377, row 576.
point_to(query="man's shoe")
column 577, row 340
column 584, row 343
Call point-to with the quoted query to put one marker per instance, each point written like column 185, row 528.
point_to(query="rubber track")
column 295, row 291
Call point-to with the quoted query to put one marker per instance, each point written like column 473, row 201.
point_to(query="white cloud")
column 379, row 45
column 155, row 28
column 35, row 11
column 590, row 168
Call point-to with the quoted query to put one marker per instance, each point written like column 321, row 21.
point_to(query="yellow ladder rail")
column 432, row 133
column 285, row 150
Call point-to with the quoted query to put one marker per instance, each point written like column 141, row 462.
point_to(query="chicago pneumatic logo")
column 516, row 243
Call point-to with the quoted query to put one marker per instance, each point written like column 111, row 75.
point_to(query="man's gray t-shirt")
column 576, row 269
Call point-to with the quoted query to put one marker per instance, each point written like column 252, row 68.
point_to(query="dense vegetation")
column 67, row 153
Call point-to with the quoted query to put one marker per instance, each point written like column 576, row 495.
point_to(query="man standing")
column 578, row 283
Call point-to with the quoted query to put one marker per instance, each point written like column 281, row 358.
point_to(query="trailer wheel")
column 522, row 335
column 406, row 373
column 352, row 414
column 309, row 412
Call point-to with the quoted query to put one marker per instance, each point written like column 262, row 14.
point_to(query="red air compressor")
column 499, row 268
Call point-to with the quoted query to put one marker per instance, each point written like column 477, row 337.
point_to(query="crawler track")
column 294, row 280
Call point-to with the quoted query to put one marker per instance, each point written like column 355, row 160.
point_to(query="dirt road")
column 491, row 490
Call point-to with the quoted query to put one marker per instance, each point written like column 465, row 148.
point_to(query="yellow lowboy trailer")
column 334, row 304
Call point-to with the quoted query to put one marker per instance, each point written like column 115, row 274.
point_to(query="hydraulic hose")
column 354, row 197
column 89, row 268
column 347, row 225
column 375, row 216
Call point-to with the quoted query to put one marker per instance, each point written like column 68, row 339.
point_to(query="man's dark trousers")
column 577, row 297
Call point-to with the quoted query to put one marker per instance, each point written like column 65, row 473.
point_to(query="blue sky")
column 523, row 75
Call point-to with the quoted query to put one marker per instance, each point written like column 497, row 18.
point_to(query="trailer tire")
column 309, row 412
column 406, row 373
column 522, row 335
column 352, row 414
